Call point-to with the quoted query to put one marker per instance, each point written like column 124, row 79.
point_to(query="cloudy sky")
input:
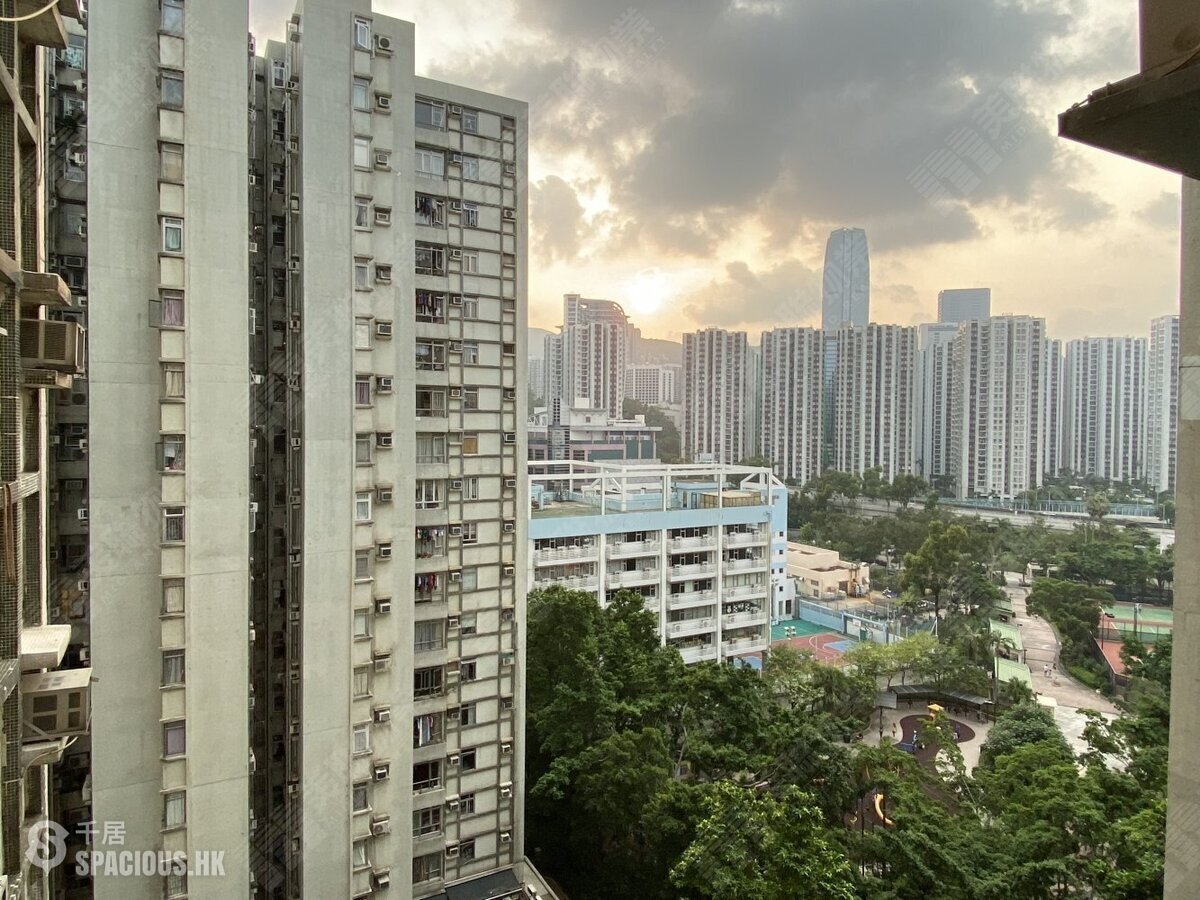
column 689, row 159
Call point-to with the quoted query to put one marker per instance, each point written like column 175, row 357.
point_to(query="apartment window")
column 427, row 821
column 470, row 168
column 170, row 162
column 176, row 886
column 430, row 115
column 466, row 804
column 470, row 444
column 362, row 152
column 172, row 668
column 470, row 121
column 172, row 17
column 172, row 89
column 470, row 398
column 360, row 797
column 431, row 355
column 172, row 234
column 430, row 260
column 362, row 94
column 470, row 215
column 428, row 729
column 431, row 403
column 362, row 449
column 171, row 309
column 361, row 682
column 362, row 565
column 466, row 760
column 362, row 390
column 362, row 33
column 174, row 739
column 362, row 333
column 362, row 622
column 470, row 309
column 430, row 211
column 471, row 488
column 427, row 682
column 172, row 524
column 362, row 273
column 430, row 163
column 427, row 867
column 278, row 73
column 362, row 506
column 172, row 604
column 429, row 635
column 174, row 810
column 427, row 775
column 468, row 670
column 470, row 533
column 431, row 307
column 431, row 448
column 466, row 850
column 470, row 261
column 470, row 579
column 362, row 738
column 429, row 493
column 470, row 353
column 362, row 212
column 467, row 715
column 358, row 854
column 383, row 274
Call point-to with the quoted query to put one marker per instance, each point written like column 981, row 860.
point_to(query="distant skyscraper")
column 790, row 416
column 716, row 389
column 845, row 300
column 964, row 305
column 655, row 384
column 1162, row 402
column 997, row 393
column 873, row 400
column 931, row 408
column 1106, row 407
column 586, row 360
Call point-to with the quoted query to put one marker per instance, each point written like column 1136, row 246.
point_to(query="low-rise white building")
column 814, row 573
column 705, row 545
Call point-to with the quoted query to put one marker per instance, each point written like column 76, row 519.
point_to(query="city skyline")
column 685, row 246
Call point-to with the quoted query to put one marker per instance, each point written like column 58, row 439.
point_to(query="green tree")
column 669, row 445
column 1020, row 725
column 932, row 568
column 754, row 846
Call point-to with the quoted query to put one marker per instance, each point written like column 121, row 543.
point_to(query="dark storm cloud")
column 556, row 218
column 787, row 295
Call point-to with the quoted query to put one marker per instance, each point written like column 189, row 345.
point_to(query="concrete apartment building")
column 655, row 384
column 790, row 431
column 1162, row 402
column 590, row 435
column 272, row 614
column 703, row 544
column 45, row 683
column 959, row 305
column 719, row 386
column 815, row 573
column 1054, row 409
column 585, row 363
column 1139, row 117
column 1105, row 407
column 997, row 396
column 874, row 399
column 931, row 396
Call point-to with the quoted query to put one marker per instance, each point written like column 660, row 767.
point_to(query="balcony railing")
column 695, row 570
column 631, row 577
column 624, row 549
column 691, row 626
column 692, row 543
column 698, row 653
column 739, row 565
column 573, row 583
column 744, row 538
column 744, row 619
column 746, row 590
column 691, row 599
column 550, row 555
column 743, row 645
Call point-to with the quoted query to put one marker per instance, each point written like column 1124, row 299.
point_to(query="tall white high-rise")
column 655, row 384
column 873, row 399
column 717, row 388
column 791, row 402
column 586, row 360
column 296, row 665
column 1054, row 408
column 931, row 407
column 959, row 305
column 1105, row 408
column 1162, row 402
column 997, row 395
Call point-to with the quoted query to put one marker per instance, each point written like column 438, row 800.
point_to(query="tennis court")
column 825, row 645
column 1150, row 622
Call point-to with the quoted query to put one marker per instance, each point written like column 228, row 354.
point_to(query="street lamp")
column 1137, row 608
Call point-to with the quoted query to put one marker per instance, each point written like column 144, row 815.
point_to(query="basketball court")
column 825, row 645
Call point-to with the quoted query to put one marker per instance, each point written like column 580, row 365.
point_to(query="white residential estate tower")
column 791, row 402
column 718, row 386
column 1162, row 402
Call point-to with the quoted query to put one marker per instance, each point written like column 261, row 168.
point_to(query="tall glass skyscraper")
column 845, row 300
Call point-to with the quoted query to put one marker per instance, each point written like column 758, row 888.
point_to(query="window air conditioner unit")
column 510, row 482
column 510, row 437
column 510, row 571
column 295, row 203
column 453, row 713
column 82, row 514
column 452, row 759
column 383, row 495
column 381, row 825
column 455, row 393
column 452, row 675
column 506, row 837
column 383, row 662
column 510, row 526
column 293, row 84
column 456, row 110
column 509, row 213
column 456, row 206
column 383, row 384
column 294, row 615
column 383, row 216
column 381, row 878
column 451, row 851
column 293, row 788
column 74, row 262
column 383, row 160
column 383, row 606
column 382, row 714
column 383, row 551
column 456, row 299
column 506, row 747
column 456, row 575
column 506, row 789
column 510, row 168
column 452, row 623
column 456, row 531
column 456, row 484
column 382, row 771
column 293, row 265
column 452, row 801
column 383, row 329
column 83, row 585
column 384, row 439
column 295, row 728
column 293, row 145
column 383, row 43
column 47, row 344
column 455, row 253
column 296, row 443
column 383, row 101
column 456, row 159
column 510, row 394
